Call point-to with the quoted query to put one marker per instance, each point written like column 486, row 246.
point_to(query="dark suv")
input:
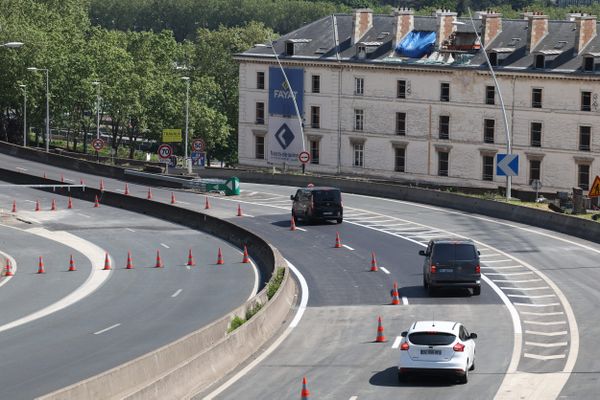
column 451, row 263
column 317, row 203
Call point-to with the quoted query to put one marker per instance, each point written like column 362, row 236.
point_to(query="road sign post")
column 164, row 153
column 304, row 157
column 536, row 185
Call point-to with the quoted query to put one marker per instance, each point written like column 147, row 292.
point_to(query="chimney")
column 362, row 21
column 445, row 26
column 586, row 31
column 492, row 26
column 404, row 22
column 537, row 29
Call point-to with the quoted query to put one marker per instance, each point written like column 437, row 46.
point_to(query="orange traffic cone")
column 106, row 262
column 72, row 264
column 14, row 207
column 62, row 178
column 338, row 242
column 45, row 176
column 380, row 337
column 149, row 194
column 374, row 267
column 126, row 192
column 220, row 258
column 172, row 198
column 206, row 203
column 81, row 182
column 395, row 296
column 190, row 262
column 37, row 205
column 41, row 269
column 70, row 203
column 129, row 262
column 245, row 259
column 96, row 202
column 239, row 211
column 292, row 224
column 8, row 270
column 101, row 185
column 304, row 395
column 53, row 207
column 159, row 263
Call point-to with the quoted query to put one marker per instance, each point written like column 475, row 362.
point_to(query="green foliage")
column 253, row 310
column 275, row 282
column 236, row 322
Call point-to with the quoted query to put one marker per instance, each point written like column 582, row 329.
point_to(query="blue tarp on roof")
column 416, row 44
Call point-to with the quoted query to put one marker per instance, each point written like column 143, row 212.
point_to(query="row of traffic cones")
column 39, row 208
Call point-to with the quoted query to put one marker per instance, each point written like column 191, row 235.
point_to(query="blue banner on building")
column 280, row 97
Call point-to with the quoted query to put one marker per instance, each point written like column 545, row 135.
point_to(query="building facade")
column 368, row 109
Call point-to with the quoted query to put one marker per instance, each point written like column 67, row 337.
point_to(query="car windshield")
column 327, row 195
column 431, row 338
column 446, row 252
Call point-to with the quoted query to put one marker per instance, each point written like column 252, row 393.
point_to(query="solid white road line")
column 176, row 293
column 353, row 398
column 20, row 169
column 559, row 333
column 277, row 342
column 514, row 281
column 547, row 345
column 507, row 267
column 106, row 329
column 397, row 342
column 165, row 246
column 525, row 296
column 537, row 305
column 348, row 247
column 404, row 300
column 544, row 358
column 497, row 261
column 83, row 215
column 510, row 273
column 129, row 229
column 300, row 229
column 551, row 323
column 384, row 270
column 542, row 314
column 524, row 289
column 247, row 215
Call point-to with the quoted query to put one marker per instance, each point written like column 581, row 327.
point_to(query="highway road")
column 62, row 326
column 535, row 317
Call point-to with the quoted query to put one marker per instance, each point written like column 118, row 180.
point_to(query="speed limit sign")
column 98, row 144
column 165, row 151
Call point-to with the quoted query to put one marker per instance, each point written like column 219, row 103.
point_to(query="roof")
column 315, row 41
column 451, row 240
column 437, row 326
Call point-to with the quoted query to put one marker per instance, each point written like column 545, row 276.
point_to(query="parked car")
column 452, row 262
column 437, row 347
column 317, row 203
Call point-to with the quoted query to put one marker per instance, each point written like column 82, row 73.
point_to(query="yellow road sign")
column 595, row 189
column 171, row 136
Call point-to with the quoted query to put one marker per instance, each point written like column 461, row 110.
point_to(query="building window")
column 401, row 89
column 488, row 130
column 540, row 61
column 316, row 84
column 259, row 149
column 585, row 138
column 314, row 151
column 289, row 49
column 399, row 159
column 315, row 117
column 586, row 101
column 442, row 163
column 493, row 59
column 400, row 123
column 445, row 91
column 260, row 113
column 583, row 176
column 444, row 127
column 536, row 134
column 359, row 86
column 359, row 119
column 588, row 64
column 534, row 170
column 490, row 95
column 488, row 168
column 358, row 154
column 536, row 98
column 260, row 80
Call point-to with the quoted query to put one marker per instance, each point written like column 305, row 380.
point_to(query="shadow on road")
column 389, row 377
column 420, row 292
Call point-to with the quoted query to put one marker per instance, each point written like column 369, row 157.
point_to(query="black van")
column 318, row 203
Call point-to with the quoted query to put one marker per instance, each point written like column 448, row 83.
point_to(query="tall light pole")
column 97, row 84
column 12, row 45
column 187, row 113
column 24, row 87
column 47, row 105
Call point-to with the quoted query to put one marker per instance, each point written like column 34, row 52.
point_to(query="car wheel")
column 464, row 378
column 476, row 290
column 425, row 284
column 294, row 217
column 472, row 366
column 402, row 377
column 339, row 220
column 431, row 290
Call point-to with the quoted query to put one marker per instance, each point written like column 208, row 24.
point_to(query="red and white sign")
column 304, row 157
column 198, row 145
column 165, row 152
column 98, row 144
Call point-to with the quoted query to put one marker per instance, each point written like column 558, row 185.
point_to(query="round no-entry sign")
column 98, row 144
column 165, row 151
column 304, row 157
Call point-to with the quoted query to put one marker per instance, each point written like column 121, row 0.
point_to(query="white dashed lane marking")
column 547, row 345
column 560, row 333
column 384, row 270
column 397, row 342
column 165, row 246
column 106, row 329
column 176, row 293
column 348, row 247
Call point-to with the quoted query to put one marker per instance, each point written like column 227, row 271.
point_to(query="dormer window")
column 588, row 64
column 540, row 61
column 493, row 59
column 289, row 48
column 361, row 52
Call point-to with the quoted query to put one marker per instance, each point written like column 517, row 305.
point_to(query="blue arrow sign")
column 507, row 165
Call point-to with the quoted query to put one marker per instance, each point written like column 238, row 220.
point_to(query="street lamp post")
column 187, row 113
column 12, row 45
column 47, row 105
column 24, row 87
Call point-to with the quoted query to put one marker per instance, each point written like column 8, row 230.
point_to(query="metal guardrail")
column 229, row 187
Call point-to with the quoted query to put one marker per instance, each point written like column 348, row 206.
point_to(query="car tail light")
column 459, row 347
column 432, row 269
column 404, row 346
column 477, row 269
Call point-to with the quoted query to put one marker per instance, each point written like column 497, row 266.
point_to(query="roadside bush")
column 236, row 322
column 275, row 282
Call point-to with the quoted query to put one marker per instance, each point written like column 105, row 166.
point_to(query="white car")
column 437, row 347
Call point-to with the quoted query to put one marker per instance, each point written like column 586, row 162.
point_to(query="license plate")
column 431, row 352
column 445, row 270
column 327, row 213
